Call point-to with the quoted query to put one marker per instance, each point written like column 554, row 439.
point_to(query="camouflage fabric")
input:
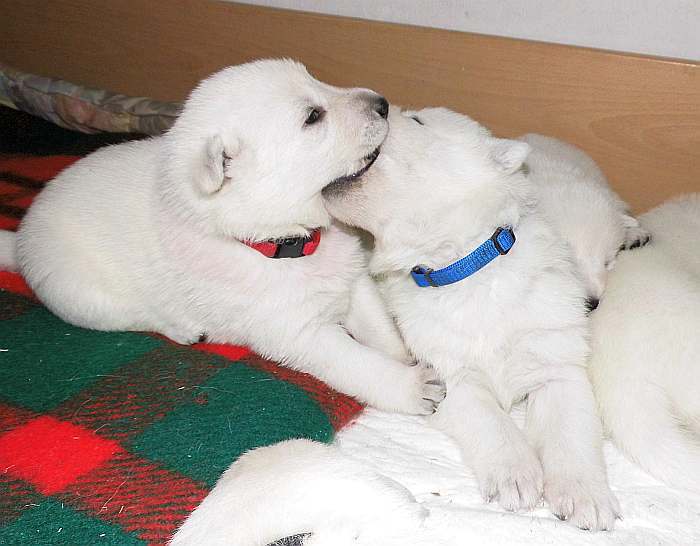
column 83, row 109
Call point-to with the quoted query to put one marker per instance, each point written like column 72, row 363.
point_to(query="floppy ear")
column 509, row 155
column 217, row 167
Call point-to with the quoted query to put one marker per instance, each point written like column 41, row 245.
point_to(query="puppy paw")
column 635, row 235
column 431, row 390
column 421, row 393
column 587, row 504
column 637, row 242
column 513, row 477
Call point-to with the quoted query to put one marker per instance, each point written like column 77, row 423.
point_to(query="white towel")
column 428, row 463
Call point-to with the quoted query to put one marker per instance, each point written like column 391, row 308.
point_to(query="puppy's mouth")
column 343, row 181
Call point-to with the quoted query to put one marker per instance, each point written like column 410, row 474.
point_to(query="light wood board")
column 639, row 117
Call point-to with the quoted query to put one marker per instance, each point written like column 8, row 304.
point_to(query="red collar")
column 291, row 247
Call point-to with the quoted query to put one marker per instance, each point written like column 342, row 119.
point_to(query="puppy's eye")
column 315, row 115
column 415, row 118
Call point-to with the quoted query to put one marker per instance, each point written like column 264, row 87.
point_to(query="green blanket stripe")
column 190, row 411
column 48, row 361
column 49, row 522
column 237, row 408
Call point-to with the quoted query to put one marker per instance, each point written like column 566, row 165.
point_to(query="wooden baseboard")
column 639, row 117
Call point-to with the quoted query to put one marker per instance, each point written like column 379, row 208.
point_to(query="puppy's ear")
column 509, row 155
column 218, row 164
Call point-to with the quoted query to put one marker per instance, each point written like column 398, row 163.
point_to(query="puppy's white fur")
column 147, row 235
column 646, row 347
column 516, row 328
column 575, row 196
column 299, row 487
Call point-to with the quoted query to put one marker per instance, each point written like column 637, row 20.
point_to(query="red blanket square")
column 51, row 454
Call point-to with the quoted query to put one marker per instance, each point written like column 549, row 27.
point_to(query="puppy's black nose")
column 592, row 304
column 381, row 106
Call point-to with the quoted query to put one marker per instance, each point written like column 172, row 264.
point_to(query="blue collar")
column 497, row 245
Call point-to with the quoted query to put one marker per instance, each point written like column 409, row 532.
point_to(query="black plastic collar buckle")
column 425, row 271
column 496, row 243
column 291, row 247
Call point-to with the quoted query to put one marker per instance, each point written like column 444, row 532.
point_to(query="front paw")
column 430, row 389
column 588, row 504
column 419, row 391
column 511, row 476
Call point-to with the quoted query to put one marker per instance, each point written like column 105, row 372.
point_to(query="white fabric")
column 428, row 463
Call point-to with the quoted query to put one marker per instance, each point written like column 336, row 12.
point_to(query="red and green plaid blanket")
column 113, row 438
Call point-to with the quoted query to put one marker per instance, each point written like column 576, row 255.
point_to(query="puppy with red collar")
column 217, row 229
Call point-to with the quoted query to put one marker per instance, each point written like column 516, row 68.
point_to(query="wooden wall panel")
column 638, row 116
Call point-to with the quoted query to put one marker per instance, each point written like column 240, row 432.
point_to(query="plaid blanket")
column 113, row 438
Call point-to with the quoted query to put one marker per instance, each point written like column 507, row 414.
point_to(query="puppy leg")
column 566, row 431
column 369, row 321
column 505, row 465
column 330, row 354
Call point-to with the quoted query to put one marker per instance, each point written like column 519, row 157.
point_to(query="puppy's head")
column 256, row 144
column 437, row 167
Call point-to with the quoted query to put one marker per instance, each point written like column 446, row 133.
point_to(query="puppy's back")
column 562, row 155
column 90, row 227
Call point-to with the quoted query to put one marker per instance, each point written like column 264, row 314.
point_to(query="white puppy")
column 575, row 196
column 156, row 235
column 302, row 487
column 646, row 347
column 515, row 328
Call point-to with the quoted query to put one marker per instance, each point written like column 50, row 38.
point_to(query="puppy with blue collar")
column 485, row 290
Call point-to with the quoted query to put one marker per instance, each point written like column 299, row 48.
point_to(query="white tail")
column 296, row 487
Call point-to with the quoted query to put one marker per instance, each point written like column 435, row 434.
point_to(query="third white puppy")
column 498, row 328
column 646, row 347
